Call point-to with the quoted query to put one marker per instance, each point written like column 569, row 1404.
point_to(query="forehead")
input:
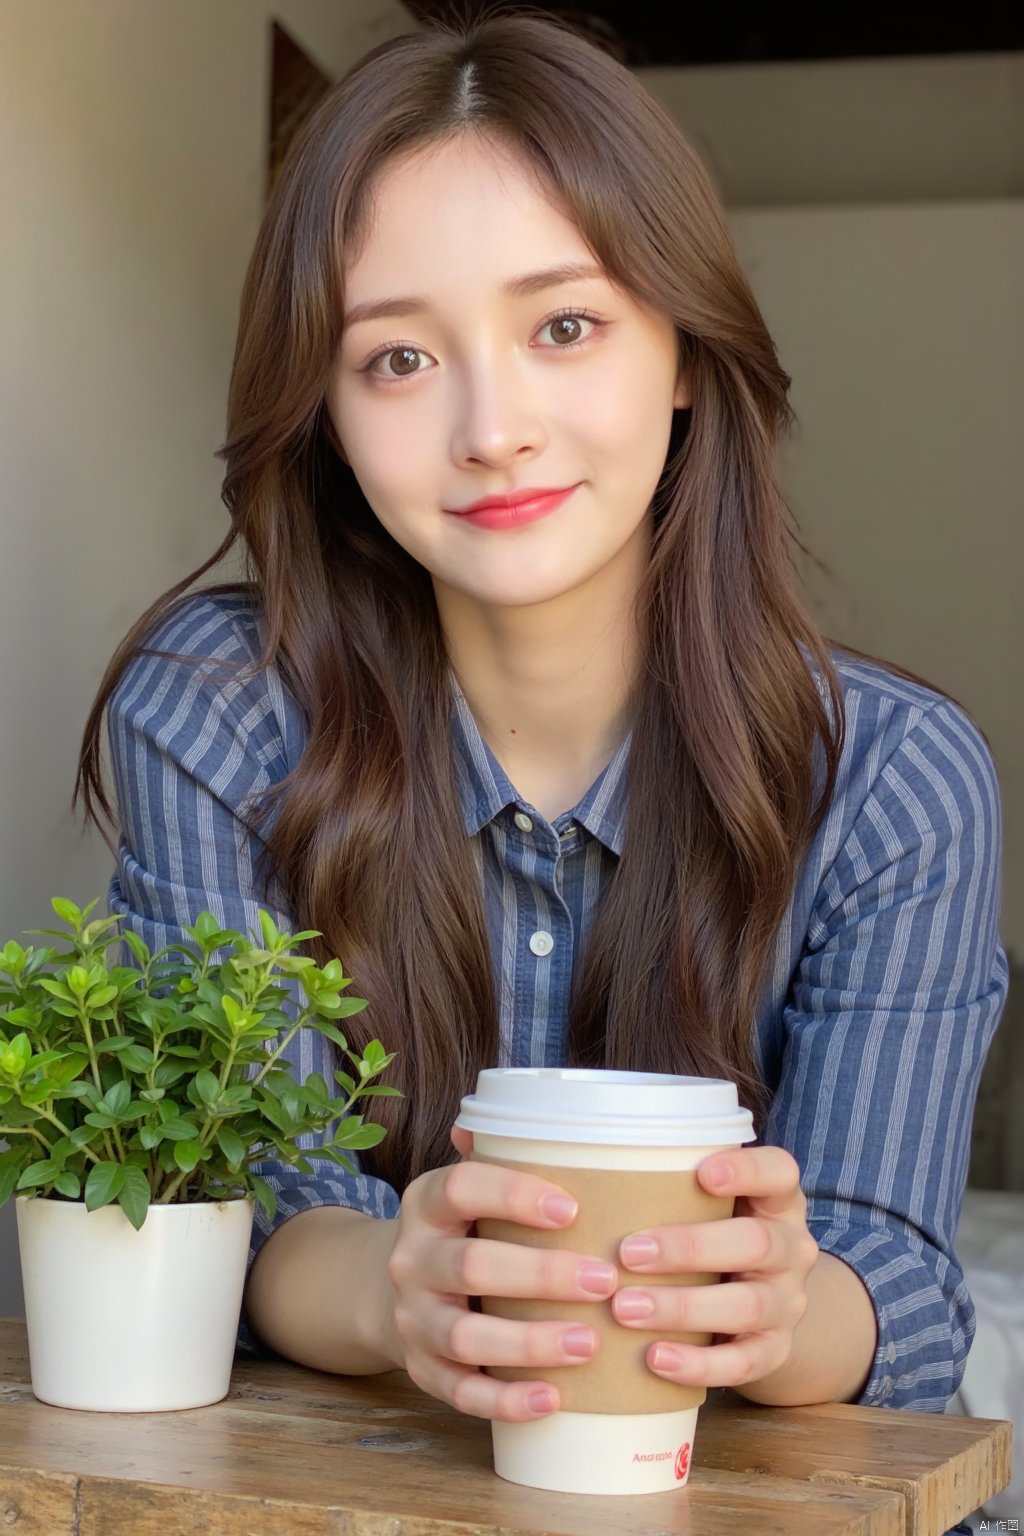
column 458, row 207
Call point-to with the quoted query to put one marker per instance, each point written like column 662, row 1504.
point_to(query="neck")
column 550, row 685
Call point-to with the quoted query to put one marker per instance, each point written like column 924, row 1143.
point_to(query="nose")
column 496, row 420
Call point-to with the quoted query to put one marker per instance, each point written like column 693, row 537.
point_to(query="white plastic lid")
column 606, row 1108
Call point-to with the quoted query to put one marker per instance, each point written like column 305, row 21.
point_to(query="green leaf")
column 71, row 1065
column 117, row 1098
column 138, row 948
column 38, row 1093
column 56, row 989
column 187, row 1154
column 265, row 1195
column 135, row 1196
column 67, row 910
column 207, row 1087
column 68, row 1184
column 137, row 1058
column 271, row 934
column 347, row 1006
column 101, row 1120
column 103, row 1185
column 179, row 1130
column 78, row 980
column 232, row 1146
column 352, row 1133
column 232, row 1008
column 205, row 928
column 9, row 1173
column 99, row 997
column 381, row 1092
column 43, row 1172
column 332, row 1034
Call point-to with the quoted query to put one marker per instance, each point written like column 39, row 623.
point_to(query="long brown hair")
column 722, row 793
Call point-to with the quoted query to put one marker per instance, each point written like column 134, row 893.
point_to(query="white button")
column 890, row 1352
column 542, row 943
column 523, row 821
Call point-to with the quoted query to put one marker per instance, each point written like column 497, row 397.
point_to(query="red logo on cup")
column 683, row 1461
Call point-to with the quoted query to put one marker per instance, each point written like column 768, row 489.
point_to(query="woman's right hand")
column 435, row 1266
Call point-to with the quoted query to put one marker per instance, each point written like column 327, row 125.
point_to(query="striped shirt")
column 879, row 1005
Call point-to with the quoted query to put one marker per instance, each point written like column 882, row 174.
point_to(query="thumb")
column 462, row 1140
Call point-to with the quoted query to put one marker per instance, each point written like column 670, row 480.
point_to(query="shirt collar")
column 485, row 789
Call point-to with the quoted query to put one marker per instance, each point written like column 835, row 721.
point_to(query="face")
column 488, row 384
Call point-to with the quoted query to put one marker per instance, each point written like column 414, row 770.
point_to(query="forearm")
column 833, row 1344
column 319, row 1292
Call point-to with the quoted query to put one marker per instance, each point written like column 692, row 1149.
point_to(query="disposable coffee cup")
column 625, row 1145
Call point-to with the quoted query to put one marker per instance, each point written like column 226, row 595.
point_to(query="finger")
column 462, row 1140
column 477, row 1266
column 480, row 1396
column 767, row 1176
column 749, row 1358
column 452, row 1198
column 735, row 1307
column 473, row 1338
column 709, row 1248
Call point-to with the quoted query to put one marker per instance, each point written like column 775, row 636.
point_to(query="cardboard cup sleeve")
column 612, row 1204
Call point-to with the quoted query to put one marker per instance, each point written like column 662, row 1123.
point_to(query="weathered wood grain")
column 292, row 1452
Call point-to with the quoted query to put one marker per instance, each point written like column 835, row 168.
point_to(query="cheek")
column 625, row 425
column 392, row 450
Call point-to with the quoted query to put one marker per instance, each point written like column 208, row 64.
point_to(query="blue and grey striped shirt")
column 885, row 990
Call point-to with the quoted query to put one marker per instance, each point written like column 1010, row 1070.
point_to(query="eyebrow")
column 517, row 287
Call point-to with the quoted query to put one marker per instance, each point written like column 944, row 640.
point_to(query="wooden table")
column 292, row 1452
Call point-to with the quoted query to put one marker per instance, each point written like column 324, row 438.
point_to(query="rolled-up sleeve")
column 187, row 752
column 888, row 1021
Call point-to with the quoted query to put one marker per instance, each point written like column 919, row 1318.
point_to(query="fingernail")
column 666, row 1358
column 633, row 1304
column 578, row 1341
column 559, row 1208
column 639, row 1250
column 597, row 1278
column 719, row 1174
column 541, row 1401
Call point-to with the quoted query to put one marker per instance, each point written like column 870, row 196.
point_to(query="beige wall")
column 903, row 328
column 133, row 137
column 902, row 130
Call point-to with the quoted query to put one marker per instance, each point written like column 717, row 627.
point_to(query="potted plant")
column 135, row 1101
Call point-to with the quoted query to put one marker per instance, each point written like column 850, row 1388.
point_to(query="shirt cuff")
column 925, row 1314
column 297, row 1191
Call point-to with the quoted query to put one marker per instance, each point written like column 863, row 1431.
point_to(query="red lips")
column 512, row 499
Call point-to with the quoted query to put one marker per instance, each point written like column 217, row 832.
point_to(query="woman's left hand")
column 765, row 1254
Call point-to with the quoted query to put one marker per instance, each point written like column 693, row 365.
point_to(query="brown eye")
column 408, row 361
column 566, row 329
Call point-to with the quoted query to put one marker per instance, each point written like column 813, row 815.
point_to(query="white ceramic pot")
column 132, row 1322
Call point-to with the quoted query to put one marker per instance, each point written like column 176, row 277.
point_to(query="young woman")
column 520, row 708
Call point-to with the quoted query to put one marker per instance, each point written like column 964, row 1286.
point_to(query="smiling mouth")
column 517, row 513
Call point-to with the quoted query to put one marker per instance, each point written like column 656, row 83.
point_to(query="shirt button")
column 890, row 1352
column 886, row 1386
column 542, row 943
column 523, row 821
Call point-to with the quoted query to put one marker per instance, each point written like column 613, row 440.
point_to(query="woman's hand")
column 766, row 1254
column 435, row 1266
